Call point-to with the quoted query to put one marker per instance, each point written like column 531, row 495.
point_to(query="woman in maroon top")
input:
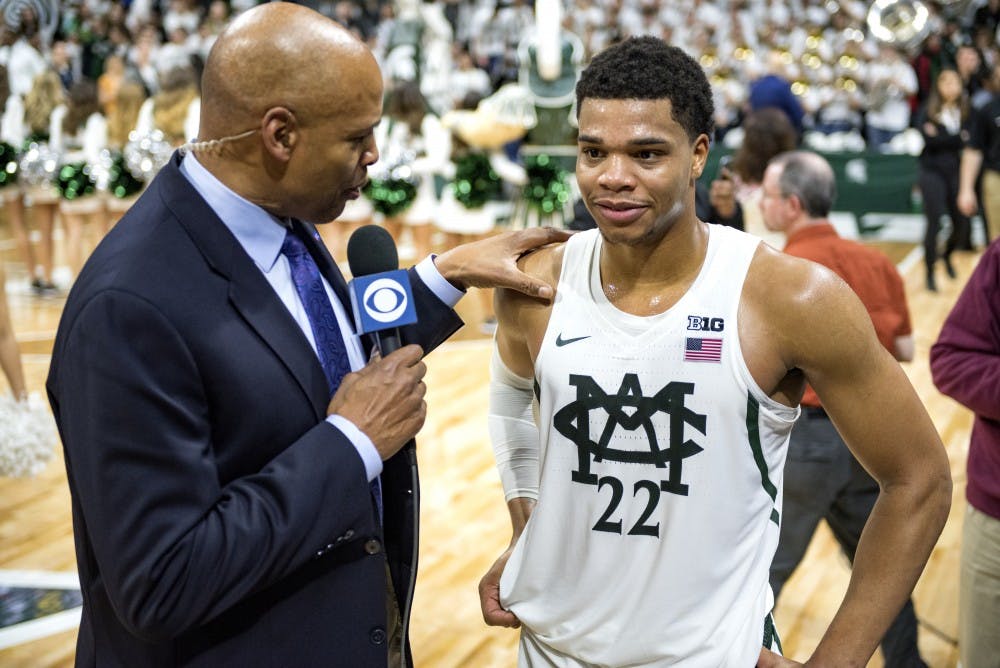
column 965, row 365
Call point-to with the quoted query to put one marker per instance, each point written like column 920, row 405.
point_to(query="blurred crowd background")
column 100, row 92
column 842, row 75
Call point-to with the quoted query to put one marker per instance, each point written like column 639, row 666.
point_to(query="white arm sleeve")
column 513, row 431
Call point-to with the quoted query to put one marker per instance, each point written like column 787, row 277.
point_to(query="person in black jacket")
column 943, row 125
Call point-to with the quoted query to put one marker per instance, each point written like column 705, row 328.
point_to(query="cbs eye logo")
column 384, row 300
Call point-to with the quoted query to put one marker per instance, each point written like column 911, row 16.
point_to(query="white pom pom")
column 145, row 154
column 27, row 436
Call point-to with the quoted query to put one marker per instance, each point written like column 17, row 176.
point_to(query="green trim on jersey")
column 771, row 639
column 753, row 433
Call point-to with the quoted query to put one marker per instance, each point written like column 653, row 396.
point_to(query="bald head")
column 277, row 55
column 289, row 104
column 809, row 177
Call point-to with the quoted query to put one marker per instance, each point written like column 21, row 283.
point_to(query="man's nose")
column 617, row 173
column 370, row 155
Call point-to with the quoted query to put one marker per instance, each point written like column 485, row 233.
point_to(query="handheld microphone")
column 381, row 296
column 382, row 301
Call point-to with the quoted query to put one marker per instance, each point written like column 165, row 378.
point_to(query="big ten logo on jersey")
column 703, row 323
column 638, row 431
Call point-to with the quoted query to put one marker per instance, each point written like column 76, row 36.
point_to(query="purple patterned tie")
column 322, row 320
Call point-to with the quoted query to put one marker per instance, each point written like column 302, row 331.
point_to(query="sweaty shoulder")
column 544, row 263
column 780, row 278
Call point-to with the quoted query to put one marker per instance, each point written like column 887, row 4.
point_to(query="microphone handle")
column 388, row 341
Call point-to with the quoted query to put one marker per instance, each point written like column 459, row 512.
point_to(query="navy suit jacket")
column 219, row 520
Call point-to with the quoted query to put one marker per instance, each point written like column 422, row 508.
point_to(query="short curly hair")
column 647, row 68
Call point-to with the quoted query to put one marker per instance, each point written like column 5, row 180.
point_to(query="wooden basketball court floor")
column 464, row 520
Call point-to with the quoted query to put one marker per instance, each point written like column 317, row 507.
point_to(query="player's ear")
column 699, row 155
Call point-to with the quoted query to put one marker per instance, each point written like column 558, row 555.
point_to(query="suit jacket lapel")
column 249, row 292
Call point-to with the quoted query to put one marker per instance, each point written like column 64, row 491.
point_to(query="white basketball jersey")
column 660, row 488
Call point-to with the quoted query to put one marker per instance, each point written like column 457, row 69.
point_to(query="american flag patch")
column 702, row 350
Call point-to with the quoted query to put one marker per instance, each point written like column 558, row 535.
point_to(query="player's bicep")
column 861, row 386
column 836, row 347
column 521, row 320
column 511, row 342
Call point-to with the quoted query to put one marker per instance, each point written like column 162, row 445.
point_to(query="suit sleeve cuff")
column 437, row 283
column 363, row 444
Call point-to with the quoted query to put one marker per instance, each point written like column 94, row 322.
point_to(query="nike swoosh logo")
column 560, row 341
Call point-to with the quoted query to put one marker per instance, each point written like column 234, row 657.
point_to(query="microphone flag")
column 382, row 301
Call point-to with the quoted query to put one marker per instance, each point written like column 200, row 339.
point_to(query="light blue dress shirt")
column 261, row 236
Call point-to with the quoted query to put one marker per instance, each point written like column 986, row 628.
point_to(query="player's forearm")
column 520, row 511
column 901, row 531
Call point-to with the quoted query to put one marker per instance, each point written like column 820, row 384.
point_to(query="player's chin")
column 625, row 236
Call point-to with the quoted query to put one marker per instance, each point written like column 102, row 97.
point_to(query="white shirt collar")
column 260, row 233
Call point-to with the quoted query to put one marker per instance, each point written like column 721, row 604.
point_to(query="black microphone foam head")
column 371, row 250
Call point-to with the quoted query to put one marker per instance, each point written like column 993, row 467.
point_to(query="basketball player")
column 641, row 420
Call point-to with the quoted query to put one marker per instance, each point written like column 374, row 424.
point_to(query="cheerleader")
column 12, row 135
column 165, row 121
column 475, row 199
column 123, row 187
column 175, row 110
column 415, row 150
column 110, row 82
column 79, row 133
column 27, row 431
column 38, row 178
column 27, row 434
column 124, row 115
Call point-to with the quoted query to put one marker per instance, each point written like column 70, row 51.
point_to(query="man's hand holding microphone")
column 385, row 399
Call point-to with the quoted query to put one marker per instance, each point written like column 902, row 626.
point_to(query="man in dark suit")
column 221, row 474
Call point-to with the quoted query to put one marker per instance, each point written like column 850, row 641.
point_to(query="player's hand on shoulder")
column 494, row 614
column 493, row 262
column 540, row 264
column 385, row 400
